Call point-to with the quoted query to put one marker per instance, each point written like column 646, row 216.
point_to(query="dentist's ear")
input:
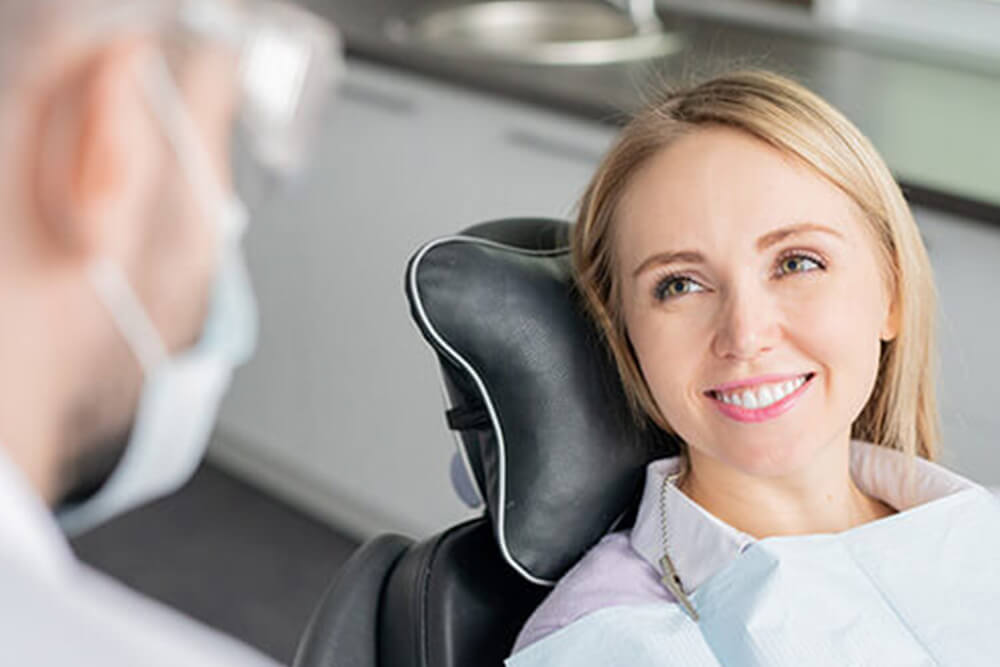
column 97, row 153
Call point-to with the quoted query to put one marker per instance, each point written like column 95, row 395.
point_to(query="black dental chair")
column 547, row 438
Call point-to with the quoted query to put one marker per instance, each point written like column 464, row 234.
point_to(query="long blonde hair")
column 901, row 412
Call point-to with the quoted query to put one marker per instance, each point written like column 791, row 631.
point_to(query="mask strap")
column 134, row 324
column 108, row 278
column 165, row 103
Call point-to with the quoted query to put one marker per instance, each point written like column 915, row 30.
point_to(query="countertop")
column 936, row 121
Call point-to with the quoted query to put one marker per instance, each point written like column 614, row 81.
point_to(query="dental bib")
column 921, row 587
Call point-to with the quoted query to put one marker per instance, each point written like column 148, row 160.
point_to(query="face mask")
column 180, row 394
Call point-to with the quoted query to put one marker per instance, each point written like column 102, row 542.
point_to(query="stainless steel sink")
column 550, row 32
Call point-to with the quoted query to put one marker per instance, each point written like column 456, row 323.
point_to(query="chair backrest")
column 449, row 601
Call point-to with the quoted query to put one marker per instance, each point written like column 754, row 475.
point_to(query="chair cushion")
column 451, row 601
column 544, row 423
column 343, row 630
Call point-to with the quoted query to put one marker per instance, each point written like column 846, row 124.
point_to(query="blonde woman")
column 766, row 295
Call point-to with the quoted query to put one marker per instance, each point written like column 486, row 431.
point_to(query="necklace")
column 671, row 580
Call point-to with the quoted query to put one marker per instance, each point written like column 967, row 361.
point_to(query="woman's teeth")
column 763, row 396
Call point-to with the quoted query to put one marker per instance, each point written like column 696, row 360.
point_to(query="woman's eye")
column 671, row 287
column 798, row 264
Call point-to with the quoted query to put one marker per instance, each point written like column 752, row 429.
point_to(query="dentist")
column 126, row 299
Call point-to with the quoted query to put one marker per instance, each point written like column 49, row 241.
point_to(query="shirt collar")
column 28, row 531
column 710, row 544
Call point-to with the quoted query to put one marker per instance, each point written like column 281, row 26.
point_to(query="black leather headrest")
column 541, row 411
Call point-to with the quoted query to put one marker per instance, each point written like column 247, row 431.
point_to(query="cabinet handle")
column 551, row 147
column 367, row 96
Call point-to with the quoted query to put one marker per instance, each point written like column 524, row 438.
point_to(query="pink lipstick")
column 762, row 398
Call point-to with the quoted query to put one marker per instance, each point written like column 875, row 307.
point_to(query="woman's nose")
column 747, row 326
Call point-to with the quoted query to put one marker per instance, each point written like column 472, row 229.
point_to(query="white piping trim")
column 411, row 278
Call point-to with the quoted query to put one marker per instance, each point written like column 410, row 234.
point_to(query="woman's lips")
column 767, row 398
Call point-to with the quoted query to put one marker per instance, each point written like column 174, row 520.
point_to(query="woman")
column 766, row 295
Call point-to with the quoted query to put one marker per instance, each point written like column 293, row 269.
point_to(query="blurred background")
column 457, row 113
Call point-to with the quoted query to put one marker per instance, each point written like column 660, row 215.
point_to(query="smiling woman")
column 753, row 313
column 765, row 293
column 765, row 147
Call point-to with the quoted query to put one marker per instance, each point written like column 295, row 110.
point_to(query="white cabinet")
column 340, row 411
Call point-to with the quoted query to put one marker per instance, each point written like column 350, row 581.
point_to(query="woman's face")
column 753, row 298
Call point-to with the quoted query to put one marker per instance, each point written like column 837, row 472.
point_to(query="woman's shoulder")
column 610, row 574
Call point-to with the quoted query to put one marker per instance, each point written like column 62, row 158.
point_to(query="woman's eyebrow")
column 778, row 235
column 661, row 258
column 763, row 243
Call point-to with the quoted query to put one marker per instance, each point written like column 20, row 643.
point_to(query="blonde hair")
column 901, row 412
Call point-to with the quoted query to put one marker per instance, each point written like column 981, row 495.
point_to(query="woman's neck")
column 820, row 498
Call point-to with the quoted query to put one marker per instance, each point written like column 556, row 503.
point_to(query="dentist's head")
column 127, row 304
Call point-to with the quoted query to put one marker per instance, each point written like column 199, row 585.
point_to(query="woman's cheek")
column 839, row 332
column 670, row 350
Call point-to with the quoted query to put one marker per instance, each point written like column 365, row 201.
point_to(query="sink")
column 545, row 32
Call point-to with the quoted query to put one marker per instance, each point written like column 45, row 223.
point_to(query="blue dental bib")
column 921, row 587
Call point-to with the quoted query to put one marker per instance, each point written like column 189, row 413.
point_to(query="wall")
column 966, row 259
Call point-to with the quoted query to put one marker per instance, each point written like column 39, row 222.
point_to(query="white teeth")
column 763, row 397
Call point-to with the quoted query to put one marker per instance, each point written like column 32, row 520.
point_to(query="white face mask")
column 180, row 394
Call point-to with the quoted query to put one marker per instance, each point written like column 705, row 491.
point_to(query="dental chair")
column 546, row 437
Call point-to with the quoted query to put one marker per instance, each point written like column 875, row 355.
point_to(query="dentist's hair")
column 901, row 412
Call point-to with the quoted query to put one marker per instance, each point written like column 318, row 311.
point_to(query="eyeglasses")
column 289, row 60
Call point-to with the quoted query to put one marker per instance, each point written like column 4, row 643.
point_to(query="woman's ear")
column 96, row 151
column 890, row 328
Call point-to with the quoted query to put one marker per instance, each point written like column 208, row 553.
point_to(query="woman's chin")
column 767, row 459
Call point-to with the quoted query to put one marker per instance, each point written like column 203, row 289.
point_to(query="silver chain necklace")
column 670, row 577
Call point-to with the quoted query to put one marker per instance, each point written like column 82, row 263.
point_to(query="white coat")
column 54, row 610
